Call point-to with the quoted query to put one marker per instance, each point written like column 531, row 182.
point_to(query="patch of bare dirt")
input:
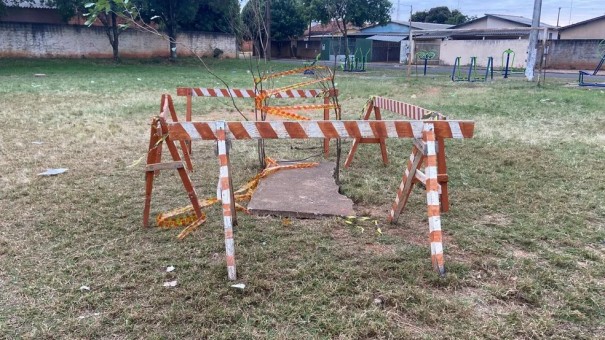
column 496, row 219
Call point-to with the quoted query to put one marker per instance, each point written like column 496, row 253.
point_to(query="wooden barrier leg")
column 326, row 117
column 442, row 177
column 182, row 172
column 405, row 188
column 152, row 157
column 188, row 119
column 356, row 141
column 228, row 202
column 383, row 144
column 432, row 199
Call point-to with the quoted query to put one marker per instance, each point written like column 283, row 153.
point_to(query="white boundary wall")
column 69, row 41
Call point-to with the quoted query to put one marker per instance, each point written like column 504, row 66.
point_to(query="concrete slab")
column 303, row 193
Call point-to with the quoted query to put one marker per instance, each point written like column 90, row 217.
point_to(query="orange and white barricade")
column 425, row 132
column 375, row 105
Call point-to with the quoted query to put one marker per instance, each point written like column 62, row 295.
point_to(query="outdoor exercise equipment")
column 376, row 104
column 426, row 56
column 358, row 64
column 472, row 74
column 510, row 60
column 426, row 133
column 593, row 75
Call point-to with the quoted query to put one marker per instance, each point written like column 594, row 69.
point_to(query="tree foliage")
column 106, row 15
column 215, row 16
column 287, row 21
column 345, row 12
column 441, row 15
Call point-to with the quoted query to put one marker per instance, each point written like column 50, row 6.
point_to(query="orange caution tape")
column 293, row 71
column 185, row 216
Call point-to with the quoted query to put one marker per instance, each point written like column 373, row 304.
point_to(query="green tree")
column 287, row 21
column 171, row 15
column 109, row 18
column 216, row 16
column 441, row 15
column 345, row 12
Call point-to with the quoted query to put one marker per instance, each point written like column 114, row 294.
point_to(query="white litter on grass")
column 37, row 143
column 239, row 286
column 170, row 284
column 53, row 172
column 169, row 269
column 88, row 316
column 139, row 79
column 83, row 288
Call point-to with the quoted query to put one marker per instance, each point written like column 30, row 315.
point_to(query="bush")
column 217, row 53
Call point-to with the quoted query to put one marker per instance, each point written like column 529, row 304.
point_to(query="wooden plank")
column 164, row 166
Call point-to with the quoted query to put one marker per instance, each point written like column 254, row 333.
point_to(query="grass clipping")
column 186, row 217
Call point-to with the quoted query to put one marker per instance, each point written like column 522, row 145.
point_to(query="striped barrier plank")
column 227, row 199
column 319, row 129
column 215, row 92
column 404, row 109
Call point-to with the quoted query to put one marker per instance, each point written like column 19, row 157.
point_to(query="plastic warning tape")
column 320, row 129
column 289, row 72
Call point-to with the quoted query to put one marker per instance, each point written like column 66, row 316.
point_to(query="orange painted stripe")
column 229, row 233
column 352, row 129
column 436, row 236
column 224, row 182
column 238, row 130
column 431, row 184
column 266, row 130
column 205, row 131
column 378, row 128
column 430, row 161
column 327, row 128
column 227, row 210
column 404, row 130
column 437, row 259
column 433, row 210
column 222, row 160
column 294, row 129
column 230, row 260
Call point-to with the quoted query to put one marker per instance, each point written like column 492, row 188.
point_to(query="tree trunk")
column 116, row 33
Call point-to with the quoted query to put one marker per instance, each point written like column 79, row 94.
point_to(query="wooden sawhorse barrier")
column 424, row 149
column 375, row 105
column 260, row 101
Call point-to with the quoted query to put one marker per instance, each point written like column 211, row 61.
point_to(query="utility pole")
column 268, row 25
column 410, row 45
column 532, row 49
column 558, row 15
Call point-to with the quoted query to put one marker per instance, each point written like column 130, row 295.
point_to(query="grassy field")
column 524, row 240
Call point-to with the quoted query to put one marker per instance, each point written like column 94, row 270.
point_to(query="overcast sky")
column 579, row 9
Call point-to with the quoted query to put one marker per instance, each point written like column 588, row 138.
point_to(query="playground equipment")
column 472, row 74
column 425, row 133
column 593, row 75
column 426, row 56
column 358, row 64
column 506, row 66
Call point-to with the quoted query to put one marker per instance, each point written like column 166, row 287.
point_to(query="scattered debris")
column 88, row 316
column 239, row 286
column 378, row 301
column 37, row 142
column 83, row 288
column 53, row 172
column 39, row 75
column 170, row 284
column 169, row 269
